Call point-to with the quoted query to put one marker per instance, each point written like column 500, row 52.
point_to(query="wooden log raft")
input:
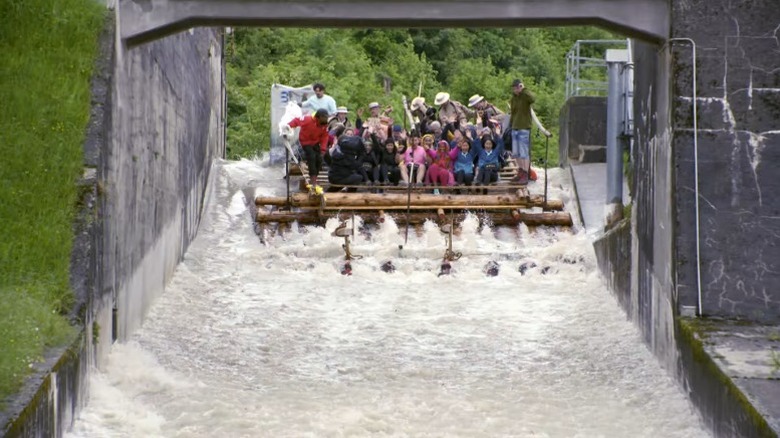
column 416, row 218
column 418, row 201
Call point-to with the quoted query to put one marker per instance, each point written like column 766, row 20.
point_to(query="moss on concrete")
column 694, row 332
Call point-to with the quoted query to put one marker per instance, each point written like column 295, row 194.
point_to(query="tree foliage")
column 359, row 66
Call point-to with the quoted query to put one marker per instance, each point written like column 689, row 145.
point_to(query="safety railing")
column 586, row 70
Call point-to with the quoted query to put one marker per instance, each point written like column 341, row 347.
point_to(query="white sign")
column 281, row 96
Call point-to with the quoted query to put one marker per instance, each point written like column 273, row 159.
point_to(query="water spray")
column 449, row 254
column 344, row 231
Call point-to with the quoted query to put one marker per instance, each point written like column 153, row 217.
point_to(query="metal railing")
column 587, row 75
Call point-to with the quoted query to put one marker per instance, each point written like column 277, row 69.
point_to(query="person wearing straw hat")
column 486, row 113
column 378, row 120
column 423, row 114
column 340, row 119
column 520, row 121
column 451, row 111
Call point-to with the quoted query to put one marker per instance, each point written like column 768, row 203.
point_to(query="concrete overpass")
column 146, row 20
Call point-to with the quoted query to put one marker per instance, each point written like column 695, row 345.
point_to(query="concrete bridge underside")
column 146, row 20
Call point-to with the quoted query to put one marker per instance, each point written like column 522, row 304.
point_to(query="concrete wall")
column 739, row 156
column 156, row 126
column 653, row 299
column 583, row 121
column 739, row 106
column 166, row 130
column 613, row 252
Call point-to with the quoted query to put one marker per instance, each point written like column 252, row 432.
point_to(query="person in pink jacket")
column 440, row 171
column 414, row 161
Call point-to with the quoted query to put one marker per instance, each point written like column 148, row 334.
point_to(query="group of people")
column 449, row 144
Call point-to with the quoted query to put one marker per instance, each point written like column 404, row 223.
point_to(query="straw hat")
column 373, row 105
column 441, row 98
column 342, row 110
column 475, row 99
column 417, row 102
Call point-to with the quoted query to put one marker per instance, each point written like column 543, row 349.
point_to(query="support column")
column 614, row 128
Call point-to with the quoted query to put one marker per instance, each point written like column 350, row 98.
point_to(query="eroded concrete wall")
column 738, row 68
column 652, row 301
column 166, row 129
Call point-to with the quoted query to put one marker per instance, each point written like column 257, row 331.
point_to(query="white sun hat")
column 475, row 99
column 441, row 98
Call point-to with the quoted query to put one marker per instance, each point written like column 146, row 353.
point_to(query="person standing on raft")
column 314, row 139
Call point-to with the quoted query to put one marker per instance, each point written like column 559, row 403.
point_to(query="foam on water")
column 268, row 339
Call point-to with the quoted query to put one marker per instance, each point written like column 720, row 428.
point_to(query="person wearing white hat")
column 378, row 119
column 486, row 113
column 451, row 111
column 423, row 114
column 340, row 119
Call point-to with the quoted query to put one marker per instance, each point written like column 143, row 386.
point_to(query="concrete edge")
column 576, row 196
column 723, row 407
column 726, row 410
column 49, row 401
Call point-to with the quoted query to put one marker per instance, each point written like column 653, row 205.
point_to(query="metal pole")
column 287, row 175
column 614, row 150
column 695, row 171
column 546, row 163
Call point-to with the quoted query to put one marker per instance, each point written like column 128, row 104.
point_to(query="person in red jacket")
column 313, row 138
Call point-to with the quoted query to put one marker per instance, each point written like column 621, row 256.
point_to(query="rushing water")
column 266, row 338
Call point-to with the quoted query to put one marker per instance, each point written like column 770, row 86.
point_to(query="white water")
column 270, row 340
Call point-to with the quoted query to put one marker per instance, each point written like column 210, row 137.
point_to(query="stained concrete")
column 738, row 103
column 738, row 366
column 582, row 121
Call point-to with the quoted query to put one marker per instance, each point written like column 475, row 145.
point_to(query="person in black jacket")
column 369, row 163
column 346, row 157
column 389, row 172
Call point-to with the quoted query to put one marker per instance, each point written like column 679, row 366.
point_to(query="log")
column 416, row 218
column 396, row 201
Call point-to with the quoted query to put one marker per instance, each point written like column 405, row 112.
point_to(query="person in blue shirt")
column 463, row 168
column 320, row 100
column 488, row 162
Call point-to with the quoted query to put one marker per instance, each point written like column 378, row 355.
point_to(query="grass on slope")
column 49, row 49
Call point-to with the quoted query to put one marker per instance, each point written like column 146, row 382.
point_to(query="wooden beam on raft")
column 418, row 201
column 416, row 218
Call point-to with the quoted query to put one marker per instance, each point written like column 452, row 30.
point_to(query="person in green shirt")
column 520, row 123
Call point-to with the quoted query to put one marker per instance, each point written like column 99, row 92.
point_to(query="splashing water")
column 268, row 339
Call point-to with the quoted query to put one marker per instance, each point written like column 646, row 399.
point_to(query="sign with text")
column 281, row 96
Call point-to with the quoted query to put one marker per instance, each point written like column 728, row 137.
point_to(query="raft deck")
column 499, row 204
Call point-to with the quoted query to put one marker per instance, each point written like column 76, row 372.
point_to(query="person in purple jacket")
column 440, row 171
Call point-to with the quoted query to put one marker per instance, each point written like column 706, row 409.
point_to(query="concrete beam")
column 146, row 20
